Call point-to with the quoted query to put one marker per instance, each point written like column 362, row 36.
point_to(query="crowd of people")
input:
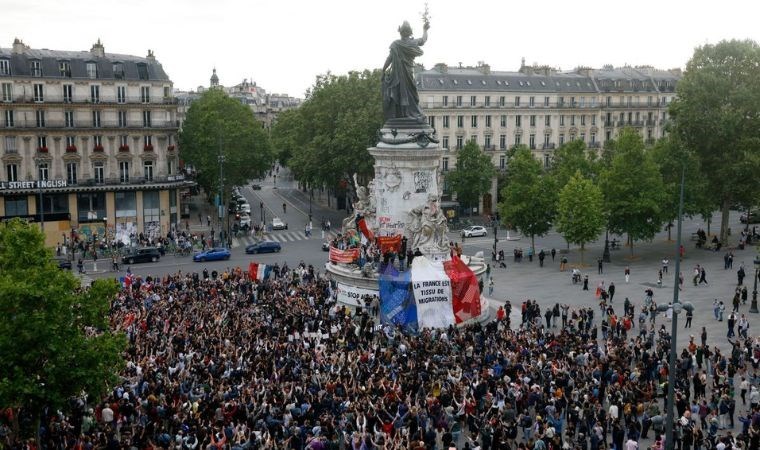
column 231, row 363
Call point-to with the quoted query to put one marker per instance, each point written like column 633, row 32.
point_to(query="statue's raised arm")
column 400, row 97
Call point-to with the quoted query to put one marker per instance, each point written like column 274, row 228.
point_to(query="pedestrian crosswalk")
column 282, row 236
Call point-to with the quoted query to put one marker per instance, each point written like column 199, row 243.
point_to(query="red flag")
column 344, row 256
column 465, row 294
column 389, row 243
column 362, row 224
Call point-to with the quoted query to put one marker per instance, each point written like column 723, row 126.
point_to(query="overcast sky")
column 284, row 44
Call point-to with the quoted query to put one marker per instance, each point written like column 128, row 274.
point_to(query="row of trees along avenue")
column 632, row 188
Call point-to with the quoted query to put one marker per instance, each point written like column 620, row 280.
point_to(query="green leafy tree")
column 573, row 157
column 472, row 176
column 217, row 125
column 580, row 211
column 55, row 341
column 716, row 114
column 325, row 140
column 530, row 196
column 672, row 157
column 633, row 190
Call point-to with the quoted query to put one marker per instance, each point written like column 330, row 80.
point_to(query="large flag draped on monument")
column 431, row 294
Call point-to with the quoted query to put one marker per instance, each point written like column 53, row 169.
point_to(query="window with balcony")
column 98, row 170
column 40, row 117
column 92, row 70
column 445, row 164
column 121, row 94
column 431, row 119
column 473, row 100
column 97, row 141
column 10, row 144
column 5, row 67
column 638, row 117
column 593, row 120
column 621, row 119
column 583, row 120
column 123, row 140
column 488, row 121
column 532, row 101
column 43, row 172
column 148, row 141
column 487, row 100
column 503, row 120
column 68, row 119
column 122, row 119
column 42, row 142
column 546, row 141
column 460, row 121
column 146, row 119
column 9, row 123
column 593, row 138
column 11, row 172
column 546, row 101
column 64, row 68
column 572, row 120
column 487, row 142
column 445, row 142
column 621, row 101
column 533, row 120
column 71, row 172
column 145, row 94
column 548, row 121
column 630, row 118
column 445, row 121
column 502, row 100
column 502, row 142
column 460, row 142
column 583, row 102
column 445, row 101
column 96, row 119
column 474, row 121
column 518, row 139
column 148, row 170
column 459, row 100
column 169, row 166
column 7, row 92
column 95, row 93
column 517, row 101
column 124, row 171
column 67, row 93
column 502, row 162
column 532, row 141
column 561, row 101
column 39, row 93
column 71, row 141
column 562, row 120
column 518, row 121
column 35, row 68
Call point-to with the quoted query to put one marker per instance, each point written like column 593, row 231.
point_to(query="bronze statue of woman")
column 400, row 98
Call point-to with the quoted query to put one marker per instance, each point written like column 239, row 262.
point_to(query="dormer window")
column 118, row 70
column 142, row 71
column 92, row 70
column 35, row 68
column 64, row 68
column 5, row 67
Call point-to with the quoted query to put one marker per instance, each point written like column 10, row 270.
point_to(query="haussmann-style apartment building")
column 542, row 108
column 88, row 142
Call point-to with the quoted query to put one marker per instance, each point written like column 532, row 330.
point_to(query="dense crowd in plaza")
column 233, row 363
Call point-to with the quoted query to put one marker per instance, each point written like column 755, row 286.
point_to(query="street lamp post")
column 753, row 307
column 311, row 195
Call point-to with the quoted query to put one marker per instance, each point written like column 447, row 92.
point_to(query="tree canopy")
column 325, row 140
column 219, row 125
column 472, row 176
column 530, row 196
column 571, row 158
column 633, row 189
column 55, row 341
column 580, row 211
column 716, row 114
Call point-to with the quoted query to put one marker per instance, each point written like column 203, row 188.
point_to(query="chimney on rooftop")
column 98, row 50
column 19, row 47
column 151, row 56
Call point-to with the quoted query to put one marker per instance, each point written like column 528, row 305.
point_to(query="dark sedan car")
column 139, row 255
column 214, row 254
column 63, row 262
column 264, row 247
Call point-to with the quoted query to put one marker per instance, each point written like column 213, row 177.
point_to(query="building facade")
column 541, row 108
column 88, row 142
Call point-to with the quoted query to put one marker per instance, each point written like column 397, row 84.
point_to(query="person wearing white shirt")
column 631, row 445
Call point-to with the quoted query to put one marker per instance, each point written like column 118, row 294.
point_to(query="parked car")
column 474, row 230
column 244, row 208
column 213, row 254
column 63, row 262
column 754, row 217
column 140, row 255
column 278, row 224
column 264, row 247
column 245, row 221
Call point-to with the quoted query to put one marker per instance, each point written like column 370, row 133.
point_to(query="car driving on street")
column 278, row 224
column 214, row 254
column 474, row 230
column 263, row 247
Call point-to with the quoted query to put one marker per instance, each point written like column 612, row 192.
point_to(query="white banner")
column 352, row 295
column 432, row 293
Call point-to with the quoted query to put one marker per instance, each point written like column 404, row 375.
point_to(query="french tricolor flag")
column 258, row 271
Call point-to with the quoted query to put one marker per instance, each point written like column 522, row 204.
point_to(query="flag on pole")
column 364, row 228
column 258, row 271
